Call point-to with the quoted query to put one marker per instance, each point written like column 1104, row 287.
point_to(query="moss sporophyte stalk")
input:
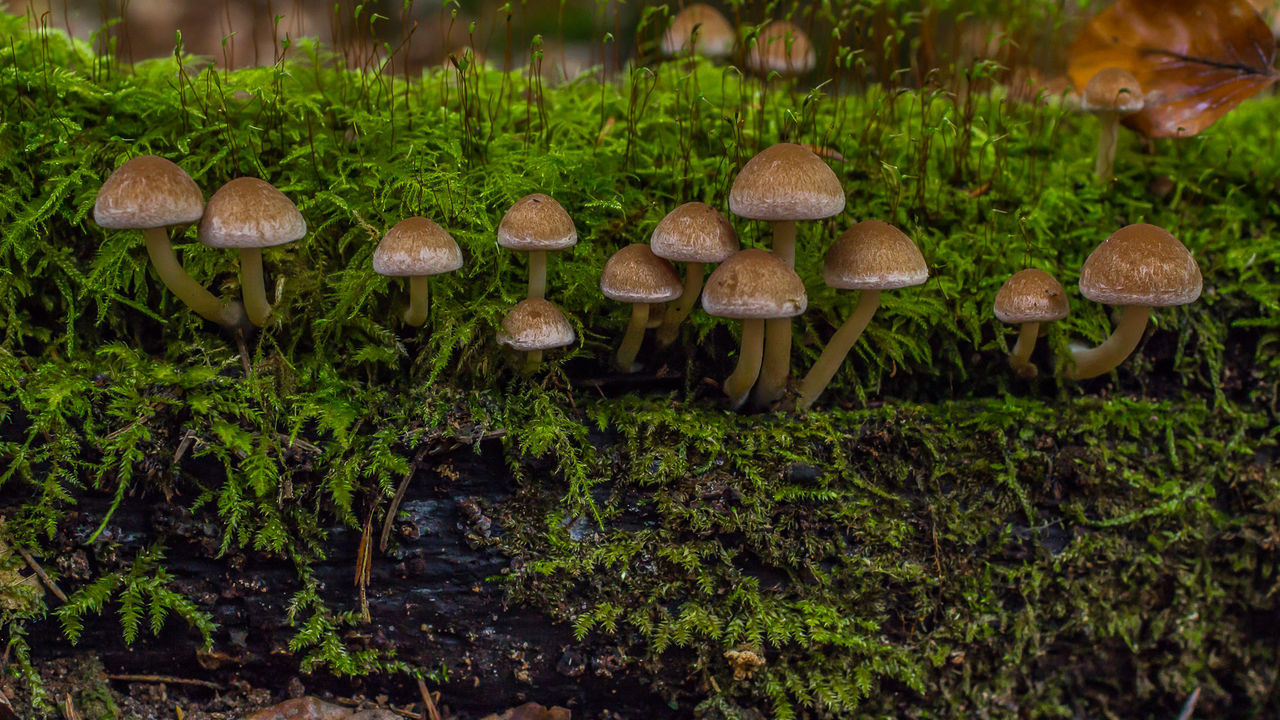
column 937, row 535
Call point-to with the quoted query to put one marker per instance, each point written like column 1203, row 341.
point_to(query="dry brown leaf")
column 1195, row 59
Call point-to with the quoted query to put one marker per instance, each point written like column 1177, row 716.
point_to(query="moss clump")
column 965, row 543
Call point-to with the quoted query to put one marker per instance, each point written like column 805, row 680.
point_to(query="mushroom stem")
column 784, row 241
column 677, row 312
column 738, row 385
column 632, row 339
column 419, row 294
column 532, row 360
column 837, row 348
column 1107, row 145
column 253, row 287
column 655, row 315
column 777, row 361
column 1020, row 358
column 181, row 284
column 537, row 274
column 1092, row 362
column 777, row 340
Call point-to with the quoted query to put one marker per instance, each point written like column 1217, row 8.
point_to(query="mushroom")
column 416, row 248
column 781, row 47
column 534, row 325
column 1110, row 94
column 782, row 184
column 150, row 193
column 1139, row 267
column 699, row 28
column 537, row 223
column 870, row 256
column 694, row 233
column 1028, row 298
column 753, row 286
column 249, row 214
column 635, row 275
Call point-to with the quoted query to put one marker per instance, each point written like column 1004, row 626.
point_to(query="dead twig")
column 395, row 501
column 166, row 680
column 364, row 564
column 428, row 701
column 1189, row 706
column 39, row 571
column 69, row 711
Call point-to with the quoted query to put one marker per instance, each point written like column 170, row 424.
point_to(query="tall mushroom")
column 695, row 234
column 1027, row 299
column 870, row 256
column 416, row 248
column 534, row 325
column 781, row 47
column 782, row 184
column 150, row 193
column 1139, row 267
column 248, row 214
column 753, row 286
column 1110, row 94
column 635, row 275
column 699, row 28
column 537, row 223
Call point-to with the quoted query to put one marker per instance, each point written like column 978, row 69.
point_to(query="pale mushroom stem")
column 777, row 362
column 1092, row 362
column 419, row 299
column 537, row 274
column 1020, row 358
column 837, row 349
column 253, row 286
column 181, row 284
column 777, row 334
column 1107, row 139
column 632, row 339
column 532, row 360
column 655, row 315
column 677, row 312
column 738, row 385
column 784, row 241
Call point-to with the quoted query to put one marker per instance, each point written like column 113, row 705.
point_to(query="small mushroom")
column 537, row 223
column 150, row 193
column 534, row 325
column 635, row 275
column 870, row 256
column 248, row 214
column 699, row 28
column 416, row 248
column 1139, row 267
column 781, row 47
column 782, row 184
column 1027, row 299
column 1110, row 94
column 695, row 234
column 753, row 286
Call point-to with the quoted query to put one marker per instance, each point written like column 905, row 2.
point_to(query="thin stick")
column 428, row 701
column 166, row 679
column 39, row 571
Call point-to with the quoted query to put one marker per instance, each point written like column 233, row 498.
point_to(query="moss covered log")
column 937, row 538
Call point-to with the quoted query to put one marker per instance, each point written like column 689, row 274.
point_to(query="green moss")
column 938, row 539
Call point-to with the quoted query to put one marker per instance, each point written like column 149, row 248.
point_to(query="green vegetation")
column 935, row 535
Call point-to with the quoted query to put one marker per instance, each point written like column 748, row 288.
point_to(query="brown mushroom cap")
column 782, row 47
column 874, row 255
column 416, row 246
column 1112, row 90
column 537, row 222
column 250, row 213
column 635, row 275
column 148, row 192
column 715, row 35
column 1141, row 265
column 694, row 232
column 786, row 182
column 1031, row 295
column 754, row 284
column 535, row 324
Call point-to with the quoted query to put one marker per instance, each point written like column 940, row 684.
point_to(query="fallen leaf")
column 1195, row 59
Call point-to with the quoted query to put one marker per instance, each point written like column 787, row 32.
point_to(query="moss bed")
column 935, row 539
